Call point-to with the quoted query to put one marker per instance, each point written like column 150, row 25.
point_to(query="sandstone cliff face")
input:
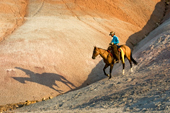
column 12, row 15
column 51, row 52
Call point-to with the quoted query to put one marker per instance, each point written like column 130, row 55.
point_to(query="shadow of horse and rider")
column 46, row 79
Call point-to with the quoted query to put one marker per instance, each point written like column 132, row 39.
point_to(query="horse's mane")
column 101, row 48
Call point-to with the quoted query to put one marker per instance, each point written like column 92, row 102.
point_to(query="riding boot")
column 116, row 61
column 117, row 58
column 119, row 55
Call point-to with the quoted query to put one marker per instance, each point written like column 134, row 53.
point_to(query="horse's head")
column 95, row 52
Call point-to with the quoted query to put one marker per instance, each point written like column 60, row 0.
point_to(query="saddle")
column 120, row 51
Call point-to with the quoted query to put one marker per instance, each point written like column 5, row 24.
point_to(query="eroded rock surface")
column 50, row 53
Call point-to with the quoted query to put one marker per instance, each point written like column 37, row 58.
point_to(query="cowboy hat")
column 112, row 33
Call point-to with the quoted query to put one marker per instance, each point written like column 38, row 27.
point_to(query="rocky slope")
column 147, row 89
column 50, row 53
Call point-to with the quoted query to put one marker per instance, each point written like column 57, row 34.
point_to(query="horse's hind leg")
column 130, row 65
column 123, row 61
column 123, row 72
column 130, row 61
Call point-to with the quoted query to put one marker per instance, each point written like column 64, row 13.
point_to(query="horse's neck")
column 103, row 53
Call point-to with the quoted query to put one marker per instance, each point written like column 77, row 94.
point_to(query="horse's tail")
column 133, row 60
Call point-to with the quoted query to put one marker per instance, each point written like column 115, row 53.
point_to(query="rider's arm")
column 115, row 40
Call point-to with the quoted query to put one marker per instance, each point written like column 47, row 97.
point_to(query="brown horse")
column 125, row 51
column 107, row 57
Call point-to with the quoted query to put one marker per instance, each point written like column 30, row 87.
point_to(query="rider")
column 115, row 41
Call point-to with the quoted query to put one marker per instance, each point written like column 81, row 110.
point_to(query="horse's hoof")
column 110, row 77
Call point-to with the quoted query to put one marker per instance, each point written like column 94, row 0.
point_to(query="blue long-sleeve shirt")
column 115, row 40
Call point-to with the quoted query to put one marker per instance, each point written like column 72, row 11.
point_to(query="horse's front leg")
column 105, row 69
column 111, row 68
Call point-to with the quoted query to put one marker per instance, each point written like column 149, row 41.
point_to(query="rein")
column 110, row 53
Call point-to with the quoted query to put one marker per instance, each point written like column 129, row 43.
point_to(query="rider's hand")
column 111, row 44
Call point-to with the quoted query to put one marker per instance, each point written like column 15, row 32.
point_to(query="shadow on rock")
column 152, row 23
column 46, row 79
column 95, row 75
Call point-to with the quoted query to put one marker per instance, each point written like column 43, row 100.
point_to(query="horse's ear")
column 94, row 47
